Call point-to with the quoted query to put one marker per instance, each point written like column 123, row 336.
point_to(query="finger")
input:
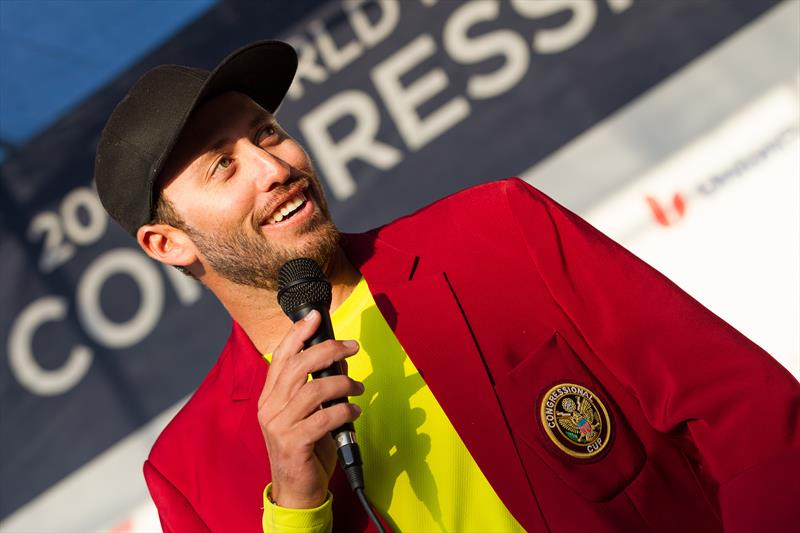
column 326, row 420
column 315, row 393
column 323, row 355
column 293, row 374
column 301, row 331
column 295, row 371
column 291, row 344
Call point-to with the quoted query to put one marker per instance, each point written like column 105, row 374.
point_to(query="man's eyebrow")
column 257, row 121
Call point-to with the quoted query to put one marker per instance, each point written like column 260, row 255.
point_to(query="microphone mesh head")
column 301, row 282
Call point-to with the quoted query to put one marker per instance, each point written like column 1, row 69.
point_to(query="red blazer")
column 498, row 293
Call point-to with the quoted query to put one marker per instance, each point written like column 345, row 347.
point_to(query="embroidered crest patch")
column 575, row 420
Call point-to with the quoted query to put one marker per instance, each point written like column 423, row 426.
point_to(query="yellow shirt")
column 418, row 473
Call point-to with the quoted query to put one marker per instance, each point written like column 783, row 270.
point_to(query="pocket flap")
column 560, row 410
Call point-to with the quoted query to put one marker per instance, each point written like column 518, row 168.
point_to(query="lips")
column 287, row 200
column 288, row 208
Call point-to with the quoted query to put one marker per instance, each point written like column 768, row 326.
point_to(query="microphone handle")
column 324, row 333
column 345, row 435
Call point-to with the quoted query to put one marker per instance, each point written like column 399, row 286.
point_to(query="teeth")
column 287, row 208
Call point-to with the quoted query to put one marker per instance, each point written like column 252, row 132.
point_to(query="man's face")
column 246, row 193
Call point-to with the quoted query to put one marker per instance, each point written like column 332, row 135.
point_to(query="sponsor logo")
column 575, row 420
column 670, row 212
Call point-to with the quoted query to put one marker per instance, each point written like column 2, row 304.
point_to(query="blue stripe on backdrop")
column 54, row 53
column 69, row 280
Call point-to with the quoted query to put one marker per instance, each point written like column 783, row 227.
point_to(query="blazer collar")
column 247, row 364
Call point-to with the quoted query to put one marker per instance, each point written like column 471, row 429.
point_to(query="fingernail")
column 356, row 408
column 311, row 315
column 360, row 386
column 351, row 344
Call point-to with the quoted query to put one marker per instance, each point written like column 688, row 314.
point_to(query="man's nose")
column 270, row 170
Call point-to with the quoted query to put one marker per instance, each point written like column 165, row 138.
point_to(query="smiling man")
column 522, row 371
column 252, row 199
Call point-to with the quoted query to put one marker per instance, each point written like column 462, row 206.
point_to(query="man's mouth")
column 288, row 208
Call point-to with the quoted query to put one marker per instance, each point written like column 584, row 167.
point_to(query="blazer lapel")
column 420, row 305
column 249, row 373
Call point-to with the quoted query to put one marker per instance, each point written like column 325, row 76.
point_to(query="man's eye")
column 265, row 134
column 224, row 163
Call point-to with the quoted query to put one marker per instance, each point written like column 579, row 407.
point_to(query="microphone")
column 302, row 288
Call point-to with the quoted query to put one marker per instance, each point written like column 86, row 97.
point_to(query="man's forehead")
column 222, row 115
column 211, row 126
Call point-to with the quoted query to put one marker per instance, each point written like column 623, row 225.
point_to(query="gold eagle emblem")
column 575, row 420
column 579, row 420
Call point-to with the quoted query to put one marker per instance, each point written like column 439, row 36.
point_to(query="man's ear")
column 167, row 244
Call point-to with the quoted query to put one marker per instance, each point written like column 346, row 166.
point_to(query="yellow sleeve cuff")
column 280, row 519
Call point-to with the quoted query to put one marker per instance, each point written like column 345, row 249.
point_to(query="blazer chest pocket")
column 562, row 415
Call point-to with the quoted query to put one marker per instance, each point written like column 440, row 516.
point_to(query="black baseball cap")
column 144, row 127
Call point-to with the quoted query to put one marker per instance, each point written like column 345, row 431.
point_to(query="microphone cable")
column 370, row 511
column 355, row 476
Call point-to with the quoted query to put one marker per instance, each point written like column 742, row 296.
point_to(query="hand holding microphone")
column 296, row 431
column 294, row 426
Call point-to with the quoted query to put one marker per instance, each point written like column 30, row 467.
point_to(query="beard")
column 253, row 261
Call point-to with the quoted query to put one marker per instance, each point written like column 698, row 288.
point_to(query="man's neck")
column 258, row 312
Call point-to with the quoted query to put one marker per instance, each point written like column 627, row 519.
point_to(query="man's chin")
column 254, row 261
column 320, row 243
column 302, row 236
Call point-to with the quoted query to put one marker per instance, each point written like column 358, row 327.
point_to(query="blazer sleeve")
column 175, row 512
column 693, row 374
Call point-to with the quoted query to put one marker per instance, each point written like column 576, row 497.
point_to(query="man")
column 516, row 368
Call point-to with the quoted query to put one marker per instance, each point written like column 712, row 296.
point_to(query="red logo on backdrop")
column 672, row 213
column 123, row 527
